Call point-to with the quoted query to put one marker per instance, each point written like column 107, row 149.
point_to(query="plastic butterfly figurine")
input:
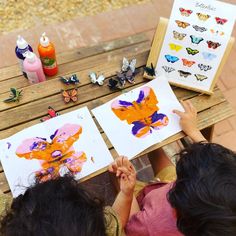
column 142, row 113
column 182, row 24
column 184, row 73
column 187, row 62
column 200, row 77
column 114, row 84
column 200, row 29
column 54, row 154
column 203, row 17
column 168, row 69
column 171, row 59
column 178, row 35
column 70, row 80
column 51, row 114
column 192, row 51
column 196, row 40
column 208, row 56
column 150, row 70
column 128, row 66
column 220, row 21
column 204, row 67
column 175, row 47
column 70, row 95
column 185, row 12
column 213, row 45
column 14, row 96
column 97, row 79
column 216, row 32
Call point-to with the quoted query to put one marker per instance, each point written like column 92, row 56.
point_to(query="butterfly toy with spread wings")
column 55, row 153
column 124, row 76
column 70, row 95
column 14, row 96
column 182, row 24
column 203, row 17
column 192, row 51
column 175, row 47
column 150, row 70
column 51, row 114
column 184, row 74
column 70, row 80
column 213, row 45
column 220, row 21
column 142, row 114
column 179, row 36
column 114, row 84
column 185, row 12
column 199, row 29
column 196, row 40
column 208, row 56
column 97, row 79
column 128, row 66
column 204, row 67
column 200, row 77
column 171, row 59
column 187, row 62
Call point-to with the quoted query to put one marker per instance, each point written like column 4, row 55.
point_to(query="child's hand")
column 125, row 171
column 188, row 121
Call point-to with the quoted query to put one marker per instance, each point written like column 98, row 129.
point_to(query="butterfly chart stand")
column 156, row 49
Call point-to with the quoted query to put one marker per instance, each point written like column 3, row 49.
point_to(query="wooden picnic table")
column 105, row 58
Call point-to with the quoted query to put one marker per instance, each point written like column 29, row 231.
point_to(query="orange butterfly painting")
column 70, row 95
column 187, row 62
column 142, row 113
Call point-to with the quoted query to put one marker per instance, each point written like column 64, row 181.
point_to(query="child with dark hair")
column 199, row 201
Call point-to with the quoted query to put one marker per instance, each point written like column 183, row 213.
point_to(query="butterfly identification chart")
column 140, row 118
column 196, row 39
column 70, row 143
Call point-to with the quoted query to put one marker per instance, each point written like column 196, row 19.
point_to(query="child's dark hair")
column 204, row 194
column 59, row 207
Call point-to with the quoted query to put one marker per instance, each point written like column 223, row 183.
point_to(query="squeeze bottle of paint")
column 21, row 48
column 47, row 55
column 33, row 68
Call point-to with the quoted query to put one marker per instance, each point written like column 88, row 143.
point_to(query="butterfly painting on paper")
column 95, row 79
column 184, row 74
column 217, row 32
column 220, row 21
column 168, row 69
column 171, row 59
column 199, row 29
column 179, row 36
column 200, row 77
column 185, row 12
column 54, row 154
column 203, row 17
column 70, row 95
column 187, row 62
column 213, row 45
column 182, row 24
column 204, row 67
column 192, row 51
column 175, row 47
column 51, row 114
column 208, row 56
column 142, row 114
column 196, row 40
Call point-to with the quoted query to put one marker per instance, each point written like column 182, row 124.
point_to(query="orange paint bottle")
column 47, row 55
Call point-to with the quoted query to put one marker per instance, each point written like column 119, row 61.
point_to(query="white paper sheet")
column 200, row 69
column 20, row 172
column 120, row 132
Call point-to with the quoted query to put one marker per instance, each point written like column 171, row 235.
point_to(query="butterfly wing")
column 200, row 29
column 64, row 80
column 150, row 70
column 132, row 65
column 73, row 95
column 159, row 120
column 200, row 77
column 171, row 59
column 168, row 69
column 195, row 39
column 204, row 67
column 184, row 73
column 125, row 64
column 187, row 62
column 52, row 113
column 93, row 77
column 175, row 47
column 192, row 51
column 203, row 17
column 66, row 96
column 220, row 21
column 100, row 79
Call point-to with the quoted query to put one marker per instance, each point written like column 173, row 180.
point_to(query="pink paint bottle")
column 33, row 68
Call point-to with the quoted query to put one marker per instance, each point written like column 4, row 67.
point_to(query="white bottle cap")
column 21, row 43
column 44, row 41
column 30, row 57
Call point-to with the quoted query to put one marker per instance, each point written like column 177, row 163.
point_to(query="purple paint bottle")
column 21, row 48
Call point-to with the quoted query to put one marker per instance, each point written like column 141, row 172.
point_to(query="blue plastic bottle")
column 21, row 48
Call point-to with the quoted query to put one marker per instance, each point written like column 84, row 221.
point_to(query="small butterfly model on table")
column 70, row 95
column 70, row 80
column 150, row 70
column 95, row 79
column 14, row 96
column 51, row 114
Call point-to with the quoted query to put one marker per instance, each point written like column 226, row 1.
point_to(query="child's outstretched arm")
column 188, row 121
column 126, row 173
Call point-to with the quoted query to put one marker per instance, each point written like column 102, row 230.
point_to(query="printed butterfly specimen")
column 184, row 73
column 150, row 70
column 142, row 113
column 187, row 62
column 97, row 79
column 114, row 84
column 51, row 114
column 178, row 35
column 171, row 59
column 168, row 69
column 54, row 154
column 203, row 17
column 182, row 24
column 185, row 12
column 192, row 51
column 220, row 21
column 196, row 40
column 199, row 29
column 213, row 45
column 70, row 95
column 200, row 77
column 208, row 56
column 14, row 96
column 175, row 47
column 70, row 80
column 128, row 66
column 216, row 32
column 204, row 67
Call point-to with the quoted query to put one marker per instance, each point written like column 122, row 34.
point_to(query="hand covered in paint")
column 188, row 121
column 126, row 173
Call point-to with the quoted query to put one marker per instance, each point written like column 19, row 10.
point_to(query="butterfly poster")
column 69, row 143
column 140, row 118
column 193, row 48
